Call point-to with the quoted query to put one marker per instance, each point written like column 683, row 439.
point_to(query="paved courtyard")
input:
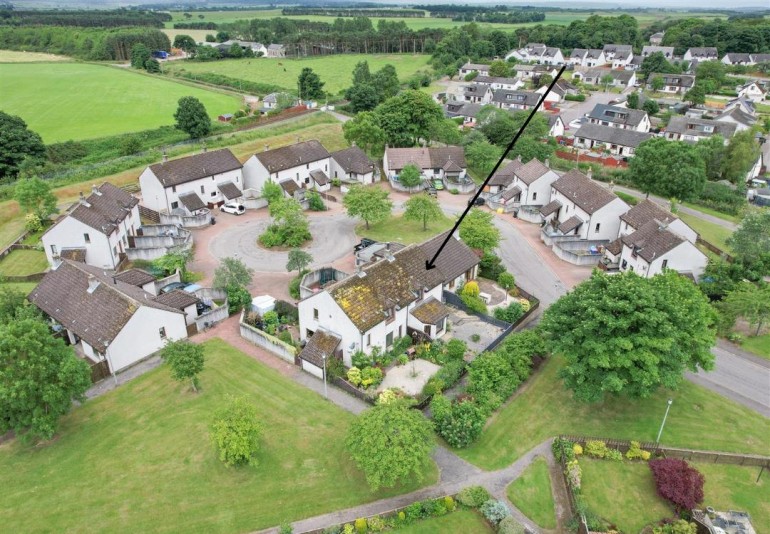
column 464, row 326
column 409, row 378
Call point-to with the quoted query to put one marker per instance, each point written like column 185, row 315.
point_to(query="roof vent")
column 95, row 190
column 93, row 283
column 361, row 274
column 83, row 201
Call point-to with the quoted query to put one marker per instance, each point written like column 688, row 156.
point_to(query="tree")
column 310, row 85
column 172, row 262
column 235, row 51
column 739, row 156
column 750, row 242
column 191, row 117
column 657, row 83
column 544, row 80
column 606, row 81
column 410, row 175
column 232, row 271
column 712, row 151
column 139, row 55
column 633, row 100
column 407, row 117
column 17, row 144
column 362, row 97
column 459, row 423
column 390, row 443
column 39, row 378
column 222, row 36
column 271, row 191
column 386, row 82
column 478, row 231
column 238, row 298
column 651, row 106
column 655, row 62
column 482, row 156
column 623, row 334
column 361, row 74
column 364, row 130
column 499, row 68
column 678, row 482
column 500, row 41
column 529, row 148
column 668, row 168
column 290, row 225
column 185, row 359
column 236, row 432
column 445, row 131
column 371, row 204
column 34, row 196
column 185, row 42
column 696, row 95
column 752, row 302
column 14, row 306
column 298, row 260
column 712, row 74
column 422, row 207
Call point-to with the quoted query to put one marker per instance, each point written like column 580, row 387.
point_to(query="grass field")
column 63, row 101
column 335, row 71
column 23, row 262
column 24, row 287
column 395, row 228
column 624, row 493
column 12, row 56
column 531, row 493
column 140, row 459
column 724, row 216
column 546, row 409
column 459, row 522
column 713, row 233
column 759, row 345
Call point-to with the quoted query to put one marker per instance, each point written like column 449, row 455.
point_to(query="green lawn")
column 335, row 71
column 759, row 345
column 24, row 287
column 624, row 493
column 12, row 56
column 63, row 101
column 531, row 493
column 139, row 459
column 713, row 233
column 725, row 216
column 458, row 522
column 395, row 228
column 545, row 409
column 23, row 262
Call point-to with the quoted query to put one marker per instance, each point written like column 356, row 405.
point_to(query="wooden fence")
column 715, row 249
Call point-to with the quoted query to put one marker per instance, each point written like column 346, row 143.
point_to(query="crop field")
column 13, row 56
column 63, row 101
column 335, row 71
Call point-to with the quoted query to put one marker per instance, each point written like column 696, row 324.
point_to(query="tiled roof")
column 320, row 344
column 105, row 209
column 475, row 66
column 495, row 79
column 651, row 49
column 191, row 201
column 462, row 109
column 319, row 177
column 290, row 186
column 455, row 259
column 549, row 208
column 74, row 254
column 703, row 51
column 612, row 135
column 135, row 277
column 368, row 297
column 504, row 176
column 425, row 158
column 738, row 115
column 616, row 247
column 195, row 167
column 353, row 159
column 283, row 158
column 617, row 48
column 594, row 53
column 697, row 127
column 570, row 224
column 738, row 58
column 652, row 241
column 430, row 311
column 511, row 193
column 647, row 211
column 230, row 190
column 96, row 316
column 617, row 115
column 578, row 53
column 177, row 299
column 584, row 192
column 677, row 80
column 525, row 98
column 531, row 171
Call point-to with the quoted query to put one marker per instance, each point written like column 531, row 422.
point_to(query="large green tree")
column 624, row 334
column 139, row 55
column 17, row 143
column 750, row 301
column 500, row 69
column 39, row 378
column 371, row 204
column 391, row 443
column 655, row 62
column 35, row 196
column 185, row 42
column 191, row 117
column 407, row 117
column 364, row 130
column 310, row 85
column 410, row 176
column 739, row 156
column 14, row 306
column 362, row 97
column 482, row 156
column 672, row 169
column 479, row 231
column 424, row 208
column 236, row 432
column 232, row 271
column 750, row 242
column 185, row 359
column 386, row 82
column 298, row 259
column 712, row 152
column 696, row 95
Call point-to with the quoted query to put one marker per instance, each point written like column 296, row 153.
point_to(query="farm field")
column 13, row 56
column 335, row 71
column 149, row 463
column 73, row 101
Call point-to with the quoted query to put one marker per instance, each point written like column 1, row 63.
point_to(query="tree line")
column 740, row 35
column 83, row 18
column 195, row 25
column 350, row 12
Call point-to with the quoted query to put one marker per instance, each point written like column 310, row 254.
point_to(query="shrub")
column 635, row 451
column 354, row 376
column 285, row 336
column 471, row 76
column 236, row 432
column 449, row 503
column 348, row 529
column 32, row 222
column 510, row 313
column 361, row 525
column 495, row 511
column 371, row 376
column 462, row 424
column 473, row 496
column 315, row 202
column 388, row 395
column 401, row 516
column 471, row 289
column 376, row 524
column 678, row 482
column 402, row 359
column 475, row 338
column 455, row 349
column 577, row 449
column 285, row 528
column 474, row 304
column 614, row 454
column 287, row 311
column 506, row 280
column 679, row 526
column 563, row 449
column 575, row 98
column 450, row 373
column 508, row 525
column 490, row 372
column 334, row 529
column 525, row 305
column 491, row 266
column 574, row 474
column 360, row 359
column 294, row 286
column 596, row 449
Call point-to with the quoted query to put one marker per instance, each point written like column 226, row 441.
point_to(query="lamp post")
column 326, row 393
column 670, row 402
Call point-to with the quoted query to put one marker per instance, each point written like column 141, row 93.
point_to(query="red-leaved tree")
column 678, row 482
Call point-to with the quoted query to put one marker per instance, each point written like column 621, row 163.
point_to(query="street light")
column 670, row 401
column 326, row 393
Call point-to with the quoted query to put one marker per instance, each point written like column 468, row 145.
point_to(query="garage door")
column 312, row 369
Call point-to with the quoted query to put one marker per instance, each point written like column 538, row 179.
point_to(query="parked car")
column 172, row 286
column 235, row 208
column 431, row 190
column 576, row 123
column 438, row 184
column 476, row 201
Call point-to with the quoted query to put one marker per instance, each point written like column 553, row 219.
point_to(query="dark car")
column 172, row 286
column 476, row 201
column 431, row 191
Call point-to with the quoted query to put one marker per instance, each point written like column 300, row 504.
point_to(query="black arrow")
column 431, row 264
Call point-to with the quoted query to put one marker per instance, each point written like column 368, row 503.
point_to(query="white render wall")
column 337, row 171
column 684, row 258
column 140, row 337
column 538, row 193
column 159, row 198
column 255, row 174
column 608, row 217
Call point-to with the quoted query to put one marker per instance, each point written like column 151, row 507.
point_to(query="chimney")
column 267, row 147
column 83, row 201
column 547, row 163
column 165, row 157
column 93, row 283
column 590, row 172
column 95, row 190
column 518, row 158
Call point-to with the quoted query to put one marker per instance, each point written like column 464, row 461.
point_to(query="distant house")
column 587, row 57
column 618, row 117
column 478, row 93
column 635, row 63
column 618, row 55
column 692, row 129
column 273, row 101
column 556, row 126
column 352, row 165
column 617, row 141
column 467, row 110
column 672, row 83
column 744, row 104
column 620, row 78
column 733, row 58
column 106, row 318
column 96, row 229
column 751, row 91
column 468, row 68
column 667, row 51
column 300, row 166
column 250, row 45
column 537, row 53
column 192, row 183
column 443, row 163
column 657, row 38
column 528, row 72
column 501, row 180
column 517, row 100
column 707, row 53
column 276, row 50
column 737, row 116
column 225, row 117
column 497, row 82
column 560, row 89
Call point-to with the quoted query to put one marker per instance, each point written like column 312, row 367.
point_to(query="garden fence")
column 268, row 342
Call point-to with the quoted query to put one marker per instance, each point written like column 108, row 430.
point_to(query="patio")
column 409, row 378
column 465, row 326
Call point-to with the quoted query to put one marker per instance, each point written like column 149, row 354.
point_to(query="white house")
column 498, row 82
column 537, row 53
column 737, row 116
column 186, row 185
column 556, row 126
column 618, row 55
column 530, row 184
column 751, row 91
column 352, row 165
column 467, row 110
column 587, row 57
column 502, row 180
column 617, row 141
column 478, row 93
column 619, row 117
column 691, row 129
column 303, row 165
column 620, row 78
column 672, row 83
column 480, row 68
column 435, row 162
column 667, row 51
column 582, row 208
column 706, row 53
column 646, row 211
column 276, row 50
column 105, row 318
column 273, row 101
column 732, row 58
column 96, row 229
column 516, row 100
column 529, row 72
column 382, row 302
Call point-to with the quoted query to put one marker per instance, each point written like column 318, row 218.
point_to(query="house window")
column 307, row 166
column 213, row 193
column 368, row 340
column 624, row 264
column 389, row 339
column 315, row 313
column 399, row 330
column 174, row 205
column 203, row 190
column 598, row 225
column 298, row 177
column 53, row 249
column 326, row 167
column 665, row 264
column 534, row 196
column 307, row 180
column 173, row 189
column 162, row 332
column 87, row 238
column 125, row 240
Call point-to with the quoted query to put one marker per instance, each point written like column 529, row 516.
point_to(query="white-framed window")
column 534, row 195
column 162, row 332
column 174, row 205
column 315, row 313
column 213, row 193
column 598, row 226
column 368, row 340
column 53, row 249
column 203, row 190
column 87, row 238
column 665, row 264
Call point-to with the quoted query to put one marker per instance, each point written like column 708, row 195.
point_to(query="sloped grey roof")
column 692, row 126
column 504, row 176
column 230, row 190
column 651, row 49
column 430, row 311
column 646, row 211
column 584, row 192
column 177, row 299
column 105, row 210
column 531, row 171
column 527, row 98
column 286, row 157
column 570, row 224
column 135, row 277
column 195, row 167
column 290, row 186
column 455, row 259
column 456, row 108
column 321, row 344
column 549, row 208
column 652, row 240
column 353, row 159
column 191, row 201
column 617, row 115
column 679, row 80
column 737, row 114
column 609, row 134
column 319, row 177
column 703, row 51
column 425, row 158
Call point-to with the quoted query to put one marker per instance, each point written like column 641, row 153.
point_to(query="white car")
column 233, row 207
column 576, row 123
